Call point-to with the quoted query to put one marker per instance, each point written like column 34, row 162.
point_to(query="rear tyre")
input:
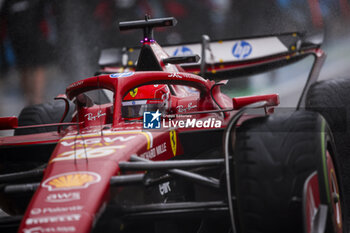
column 16, row 159
column 274, row 155
column 45, row 113
column 331, row 99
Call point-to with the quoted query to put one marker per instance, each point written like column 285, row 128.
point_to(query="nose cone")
column 76, row 181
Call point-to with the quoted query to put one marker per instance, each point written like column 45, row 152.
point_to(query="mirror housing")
column 8, row 123
column 239, row 102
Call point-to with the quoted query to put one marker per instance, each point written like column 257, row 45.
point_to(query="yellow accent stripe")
column 108, row 134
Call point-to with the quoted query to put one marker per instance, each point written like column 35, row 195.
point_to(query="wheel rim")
column 335, row 195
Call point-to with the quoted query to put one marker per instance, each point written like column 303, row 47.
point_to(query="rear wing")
column 219, row 59
column 226, row 58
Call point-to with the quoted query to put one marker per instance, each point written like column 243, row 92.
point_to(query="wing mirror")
column 271, row 99
column 8, row 123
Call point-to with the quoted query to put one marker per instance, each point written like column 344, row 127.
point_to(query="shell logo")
column 71, row 180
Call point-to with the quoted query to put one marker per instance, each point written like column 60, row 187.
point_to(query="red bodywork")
column 76, row 181
column 75, row 187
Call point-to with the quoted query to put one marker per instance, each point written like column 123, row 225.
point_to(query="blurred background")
column 47, row 44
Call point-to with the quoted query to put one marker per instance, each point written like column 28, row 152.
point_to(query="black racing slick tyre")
column 45, row 113
column 273, row 157
column 332, row 100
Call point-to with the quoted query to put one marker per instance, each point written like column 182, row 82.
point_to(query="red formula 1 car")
column 162, row 149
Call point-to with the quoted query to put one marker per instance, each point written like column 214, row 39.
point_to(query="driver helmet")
column 148, row 98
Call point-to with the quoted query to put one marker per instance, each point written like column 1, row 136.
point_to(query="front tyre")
column 331, row 99
column 273, row 157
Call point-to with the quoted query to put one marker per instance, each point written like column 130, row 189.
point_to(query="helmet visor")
column 136, row 108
